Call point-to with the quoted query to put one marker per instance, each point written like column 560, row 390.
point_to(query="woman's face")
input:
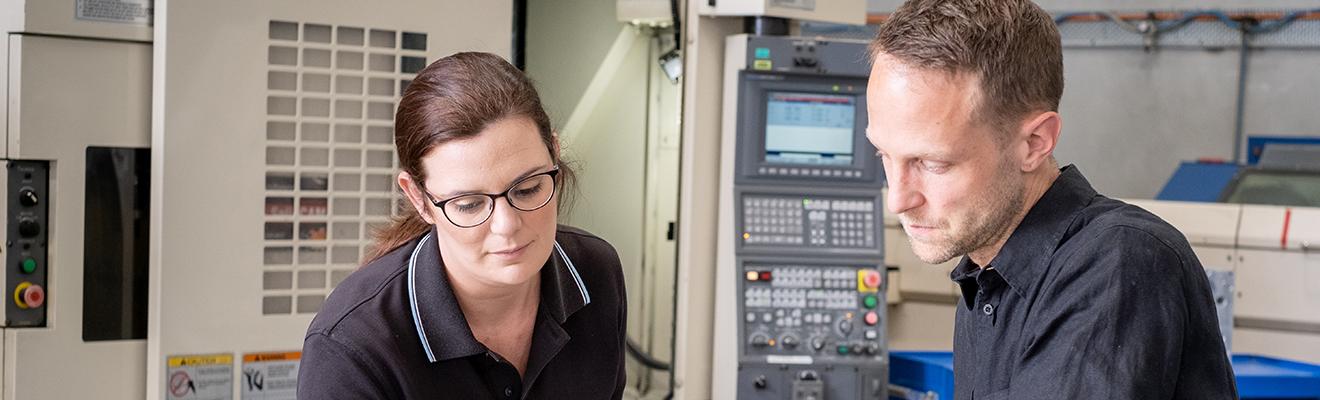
column 510, row 247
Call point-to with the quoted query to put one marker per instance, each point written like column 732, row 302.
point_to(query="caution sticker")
column 200, row 377
column 270, row 376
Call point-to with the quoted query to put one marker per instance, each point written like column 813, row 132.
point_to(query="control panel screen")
column 809, row 128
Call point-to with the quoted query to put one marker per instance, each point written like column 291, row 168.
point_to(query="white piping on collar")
column 412, row 297
column 586, row 298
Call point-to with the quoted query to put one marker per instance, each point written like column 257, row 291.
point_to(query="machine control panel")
column 804, row 216
column 823, row 312
column 26, row 233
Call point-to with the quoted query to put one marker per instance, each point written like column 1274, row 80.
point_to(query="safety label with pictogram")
column 270, row 376
column 200, row 377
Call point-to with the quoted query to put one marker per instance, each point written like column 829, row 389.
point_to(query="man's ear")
column 1042, row 134
column 412, row 190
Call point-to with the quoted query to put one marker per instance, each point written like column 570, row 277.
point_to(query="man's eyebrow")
column 529, row 172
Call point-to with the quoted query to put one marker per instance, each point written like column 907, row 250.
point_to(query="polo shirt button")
column 508, row 392
column 988, row 309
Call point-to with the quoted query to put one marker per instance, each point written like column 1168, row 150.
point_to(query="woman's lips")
column 511, row 253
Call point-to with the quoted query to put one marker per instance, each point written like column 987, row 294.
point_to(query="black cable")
column 641, row 356
column 678, row 25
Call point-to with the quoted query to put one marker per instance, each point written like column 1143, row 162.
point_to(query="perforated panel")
column 330, row 162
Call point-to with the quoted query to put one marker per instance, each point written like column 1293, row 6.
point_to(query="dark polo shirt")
column 393, row 330
column 1090, row 298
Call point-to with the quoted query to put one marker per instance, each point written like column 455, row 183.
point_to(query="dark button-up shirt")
column 1090, row 298
column 394, row 330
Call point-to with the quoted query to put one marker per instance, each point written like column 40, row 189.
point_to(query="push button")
column 28, row 266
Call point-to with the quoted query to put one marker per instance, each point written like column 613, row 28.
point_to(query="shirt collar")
column 1027, row 251
column 440, row 323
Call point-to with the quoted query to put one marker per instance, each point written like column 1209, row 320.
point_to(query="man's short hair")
column 1011, row 46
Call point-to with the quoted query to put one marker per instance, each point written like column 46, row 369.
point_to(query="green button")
column 869, row 301
column 29, row 266
column 843, row 349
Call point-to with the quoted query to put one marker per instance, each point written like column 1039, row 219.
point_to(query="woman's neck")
column 489, row 306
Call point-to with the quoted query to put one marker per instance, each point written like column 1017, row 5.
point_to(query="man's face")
column 954, row 187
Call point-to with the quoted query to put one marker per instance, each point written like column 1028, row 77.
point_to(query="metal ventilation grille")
column 330, row 162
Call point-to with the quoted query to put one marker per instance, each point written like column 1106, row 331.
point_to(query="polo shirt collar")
column 440, row 323
column 1027, row 251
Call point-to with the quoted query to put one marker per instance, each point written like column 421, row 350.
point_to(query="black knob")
column 760, row 340
column 790, row 342
column 871, row 349
column 759, row 382
column 28, row 228
column 28, row 198
column 817, row 343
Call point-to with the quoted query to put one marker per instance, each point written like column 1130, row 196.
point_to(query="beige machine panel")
column 67, row 94
column 836, row 11
column 128, row 20
column 273, row 157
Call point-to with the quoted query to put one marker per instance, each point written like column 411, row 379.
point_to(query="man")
column 1066, row 294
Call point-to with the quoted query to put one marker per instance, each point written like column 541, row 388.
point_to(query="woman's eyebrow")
column 529, row 172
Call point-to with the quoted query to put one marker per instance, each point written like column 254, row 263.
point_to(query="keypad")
column 828, row 223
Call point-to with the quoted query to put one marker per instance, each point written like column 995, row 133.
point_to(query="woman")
column 476, row 293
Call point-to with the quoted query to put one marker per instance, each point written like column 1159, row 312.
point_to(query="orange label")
column 277, row 356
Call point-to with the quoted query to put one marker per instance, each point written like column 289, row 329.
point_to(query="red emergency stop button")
column 871, row 318
column 34, row 296
column 29, row 295
column 871, row 280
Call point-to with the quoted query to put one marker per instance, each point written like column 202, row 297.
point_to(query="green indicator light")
column 843, row 349
column 836, row 88
column 806, row 202
column 29, row 266
column 870, row 301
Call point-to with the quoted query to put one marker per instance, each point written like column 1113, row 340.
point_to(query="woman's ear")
column 412, row 190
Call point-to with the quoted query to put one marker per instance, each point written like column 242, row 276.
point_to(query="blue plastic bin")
column 1258, row 377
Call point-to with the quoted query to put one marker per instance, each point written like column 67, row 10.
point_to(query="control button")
column 871, row 318
column 869, row 301
column 855, row 348
column 766, row 317
column 765, row 275
column 752, row 275
column 871, row 348
column 817, row 343
column 843, row 349
column 872, row 335
column 28, row 265
column 759, row 382
column 871, row 279
column 28, row 198
column 28, row 228
column 751, row 317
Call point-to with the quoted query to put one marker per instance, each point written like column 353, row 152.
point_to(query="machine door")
column 273, row 162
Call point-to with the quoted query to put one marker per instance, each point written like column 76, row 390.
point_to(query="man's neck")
column 1037, row 183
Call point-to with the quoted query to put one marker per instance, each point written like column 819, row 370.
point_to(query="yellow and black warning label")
column 200, row 377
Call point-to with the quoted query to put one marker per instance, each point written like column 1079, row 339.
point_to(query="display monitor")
column 809, row 128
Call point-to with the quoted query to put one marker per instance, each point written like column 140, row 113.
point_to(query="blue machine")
column 1279, row 171
column 928, row 375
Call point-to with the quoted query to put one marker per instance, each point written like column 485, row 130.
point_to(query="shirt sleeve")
column 1111, row 324
column 332, row 370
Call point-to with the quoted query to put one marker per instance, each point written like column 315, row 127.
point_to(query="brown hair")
column 455, row 98
column 1011, row 46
